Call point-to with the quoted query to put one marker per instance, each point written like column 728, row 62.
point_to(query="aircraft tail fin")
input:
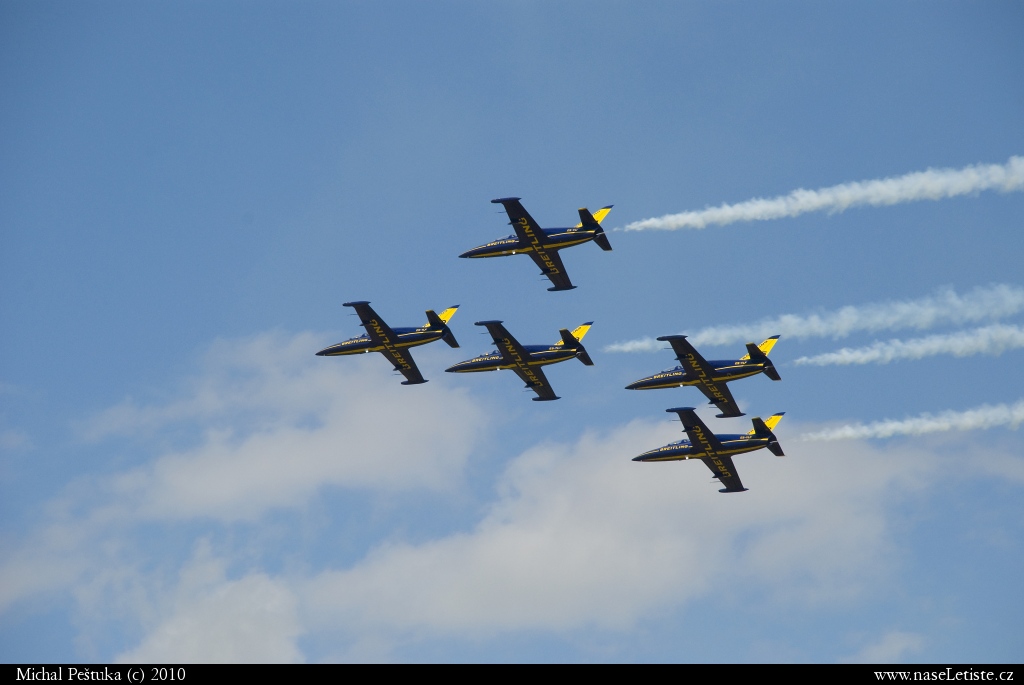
column 763, row 429
column 577, row 334
column 762, row 350
column 448, row 313
column 570, row 339
column 441, row 321
column 760, row 353
column 592, row 222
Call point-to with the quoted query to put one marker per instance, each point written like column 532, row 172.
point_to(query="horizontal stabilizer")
column 597, row 216
column 763, row 429
column 592, row 222
column 448, row 313
column 567, row 338
column 449, row 339
column 577, row 334
column 433, row 320
column 762, row 350
column 754, row 352
column 440, row 321
column 769, row 370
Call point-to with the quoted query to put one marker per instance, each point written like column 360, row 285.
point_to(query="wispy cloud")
column 985, row 416
column 992, row 340
column 892, row 648
column 933, row 184
column 225, row 550
column 944, row 307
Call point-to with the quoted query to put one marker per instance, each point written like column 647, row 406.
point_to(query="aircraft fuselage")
column 539, row 355
column 407, row 337
column 554, row 239
column 731, row 444
column 723, row 370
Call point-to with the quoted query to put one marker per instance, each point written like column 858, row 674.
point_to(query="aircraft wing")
column 536, row 380
column 720, row 395
column 404, row 363
column 700, row 435
column 698, row 369
column 720, row 464
column 381, row 334
column 530, row 233
column 551, row 266
column 724, row 470
column 523, row 224
column 371, row 321
column 516, row 356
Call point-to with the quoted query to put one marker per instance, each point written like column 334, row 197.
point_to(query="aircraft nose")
column 637, row 385
column 326, row 351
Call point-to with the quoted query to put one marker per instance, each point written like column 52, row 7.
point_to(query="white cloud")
column 992, row 340
column 576, row 537
column 944, row 307
column 211, row 619
column 581, row 537
column 279, row 423
column 892, row 648
column 933, row 184
column 271, row 426
column 985, row 416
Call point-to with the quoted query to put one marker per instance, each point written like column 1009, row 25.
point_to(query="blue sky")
column 189, row 191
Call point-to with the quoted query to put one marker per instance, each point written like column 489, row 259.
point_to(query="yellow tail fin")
column 771, row 422
column 599, row 215
column 438, row 320
column 765, row 347
column 577, row 333
column 447, row 314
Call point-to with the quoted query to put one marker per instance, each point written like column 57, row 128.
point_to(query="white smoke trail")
column 985, row 416
column 992, row 340
column 933, row 184
column 944, row 307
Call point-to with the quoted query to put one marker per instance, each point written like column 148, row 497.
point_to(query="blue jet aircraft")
column 391, row 342
column 710, row 376
column 716, row 450
column 543, row 244
column 526, row 360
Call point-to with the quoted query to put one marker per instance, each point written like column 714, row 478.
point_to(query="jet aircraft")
column 526, row 360
column 717, row 450
column 710, row 376
column 391, row 342
column 543, row 244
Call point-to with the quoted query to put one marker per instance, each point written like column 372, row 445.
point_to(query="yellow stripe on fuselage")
column 727, row 452
column 569, row 243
